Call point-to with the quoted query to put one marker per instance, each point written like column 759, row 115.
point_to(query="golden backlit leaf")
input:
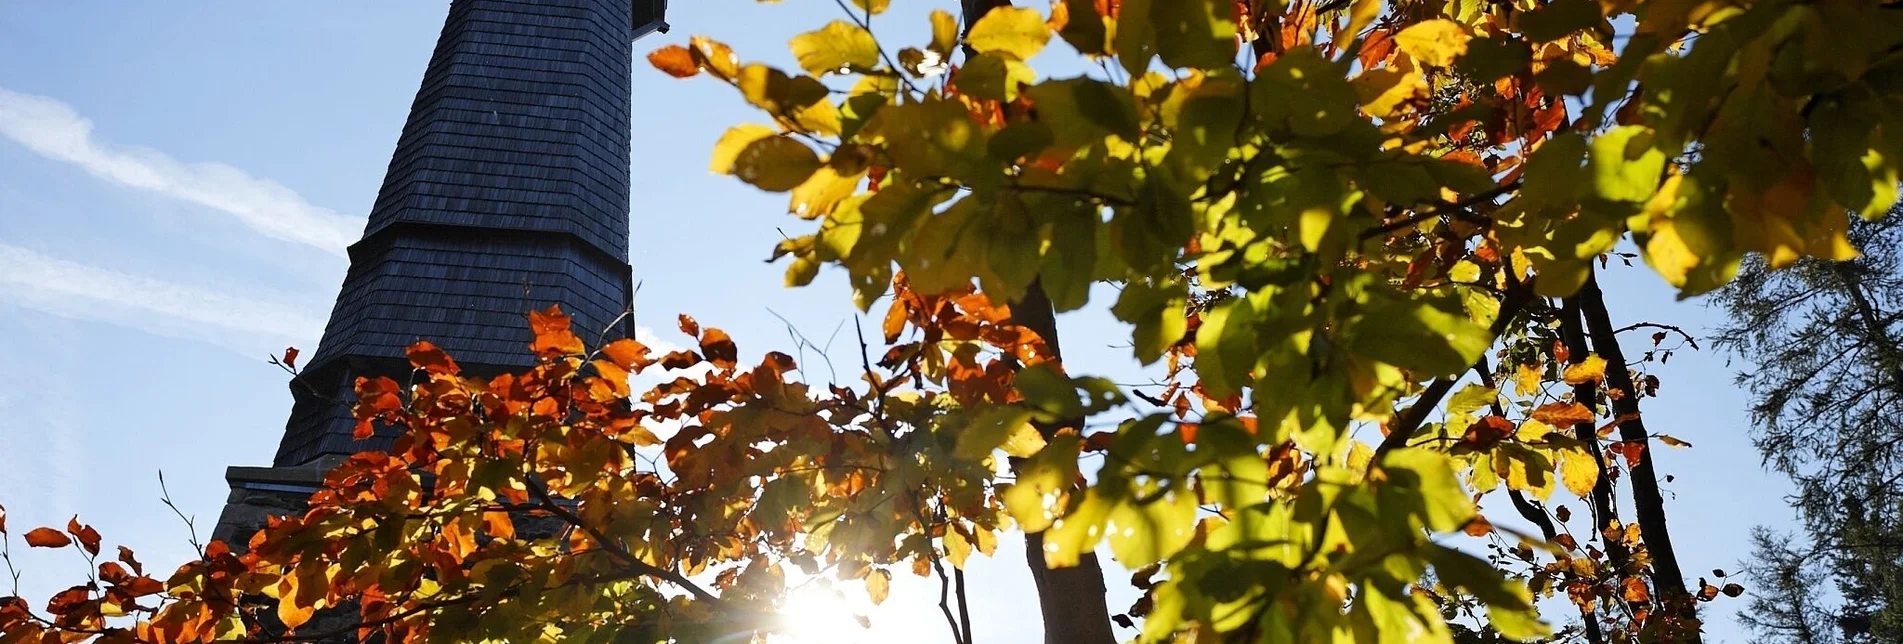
column 1016, row 32
column 1434, row 42
column 1590, row 370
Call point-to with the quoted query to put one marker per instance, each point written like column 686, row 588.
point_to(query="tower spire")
column 508, row 191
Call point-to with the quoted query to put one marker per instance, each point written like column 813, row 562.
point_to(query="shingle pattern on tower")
column 508, row 191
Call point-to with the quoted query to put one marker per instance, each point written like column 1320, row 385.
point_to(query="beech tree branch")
column 1410, row 419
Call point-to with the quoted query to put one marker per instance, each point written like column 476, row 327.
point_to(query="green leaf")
column 1195, row 33
column 1305, row 93
column 1157, row 312
column 1552, row 173
column 1625, row 165
column 1086, row 30
column 1015, row 32
column 1080, row 530
column 1424, row 479
column 836, row 48
column 1226, row 348
column 776, row 164
column 1489, row 59
column 1470, row 399
column 1148, row 528
column 1416, row 336
column 994, row 77
column 1042, row 480
column 1135, row 38
column 935, row 138
column 990, row 429
column 1558, row 19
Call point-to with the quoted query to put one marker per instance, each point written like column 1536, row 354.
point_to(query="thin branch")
column 1411, row 418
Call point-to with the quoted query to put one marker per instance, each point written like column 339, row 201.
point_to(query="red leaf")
column 88, row 537
column 719, row 348
column 1486, row 432
column 47, row 538
column 676, row 60
column 428, row 357
column 290, row 357
column 125, row 555
column 3, row 519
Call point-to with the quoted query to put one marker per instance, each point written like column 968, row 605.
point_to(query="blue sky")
column 177, row 181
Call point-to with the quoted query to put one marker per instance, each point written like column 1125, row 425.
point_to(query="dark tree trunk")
column 1648, row 503
column 1071, row 599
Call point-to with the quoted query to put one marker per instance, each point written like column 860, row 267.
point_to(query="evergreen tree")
column 1827, row 381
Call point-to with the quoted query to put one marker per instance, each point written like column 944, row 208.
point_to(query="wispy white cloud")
column 54, row 130
column 247, row 323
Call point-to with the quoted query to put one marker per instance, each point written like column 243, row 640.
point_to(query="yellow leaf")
column 1526, row 379
column 1435, row 42
column 1361, row 13
column 956, row 548
column 879, row 585
column 1672, row 441
column 944, row 33
column 1024, row 441
column 715, row 56
column 836, row 48
column 736, row 139
column 874, row 7
column 1015, row 32
column 822, row 192
column 1383, row 92
column 1592, row 369
column 1578, row 471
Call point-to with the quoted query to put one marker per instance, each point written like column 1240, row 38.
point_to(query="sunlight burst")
column 819, row 614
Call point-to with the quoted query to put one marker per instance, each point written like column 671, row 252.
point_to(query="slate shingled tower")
column 508, row 191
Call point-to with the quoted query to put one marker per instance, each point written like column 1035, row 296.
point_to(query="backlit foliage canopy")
column 1322, row 220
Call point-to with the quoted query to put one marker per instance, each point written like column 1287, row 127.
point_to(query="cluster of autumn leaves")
column 1337, row 228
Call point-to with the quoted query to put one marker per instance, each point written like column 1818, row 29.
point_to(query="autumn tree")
column 1357, row 242
column 1826, row 376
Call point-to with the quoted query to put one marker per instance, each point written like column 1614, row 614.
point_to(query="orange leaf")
column 428, row 357
column 1634, row 590
column 1478, row 527
column 689, row 326
column 47, row 538
column 88, row 537
column 498, row 525
column 719, row 348
column 1561, row 414
column 628, row 354
column 675, row 60
column 553, row 337
column 1560, row 352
